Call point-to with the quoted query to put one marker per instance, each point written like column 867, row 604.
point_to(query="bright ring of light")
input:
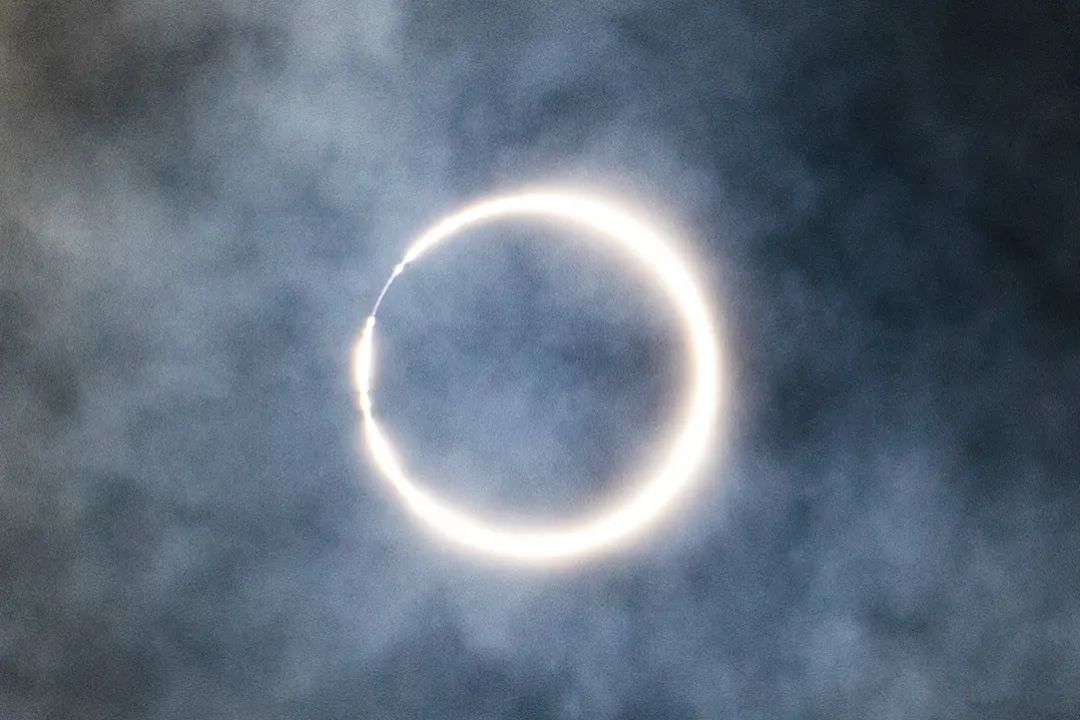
column 692, row 434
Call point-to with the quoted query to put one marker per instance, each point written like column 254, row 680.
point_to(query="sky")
column 200, row 201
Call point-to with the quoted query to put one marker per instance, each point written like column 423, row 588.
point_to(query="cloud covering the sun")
column 199, row 202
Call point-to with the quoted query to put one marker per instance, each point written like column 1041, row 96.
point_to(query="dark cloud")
column 198, row 203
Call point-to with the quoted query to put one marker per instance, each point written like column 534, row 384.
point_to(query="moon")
column 678, row 467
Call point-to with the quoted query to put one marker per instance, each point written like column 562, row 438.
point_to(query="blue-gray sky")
column 199, row 202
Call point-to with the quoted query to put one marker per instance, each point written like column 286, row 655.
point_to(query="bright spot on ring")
column 677, row 468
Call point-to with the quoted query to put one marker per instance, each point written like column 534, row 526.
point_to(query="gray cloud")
column 198, row 203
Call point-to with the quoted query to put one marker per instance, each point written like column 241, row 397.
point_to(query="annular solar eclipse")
column 694, row 432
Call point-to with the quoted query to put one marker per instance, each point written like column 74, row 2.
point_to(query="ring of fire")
column 698, row 417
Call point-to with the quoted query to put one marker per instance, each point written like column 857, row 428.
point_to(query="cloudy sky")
column 200, row 200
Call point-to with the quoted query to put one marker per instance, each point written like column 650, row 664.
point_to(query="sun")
column 679, row 464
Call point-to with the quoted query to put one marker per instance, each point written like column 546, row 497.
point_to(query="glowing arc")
column 691, row 439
